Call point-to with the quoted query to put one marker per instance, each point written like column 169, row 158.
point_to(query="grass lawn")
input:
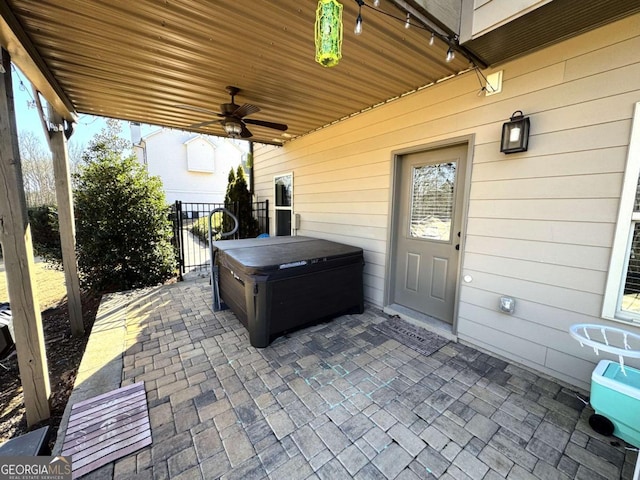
column 50, row 286
column 64, row 353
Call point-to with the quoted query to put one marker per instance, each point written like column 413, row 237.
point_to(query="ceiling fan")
column 232, row 117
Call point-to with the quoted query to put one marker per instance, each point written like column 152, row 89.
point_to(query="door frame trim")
column 392, row 221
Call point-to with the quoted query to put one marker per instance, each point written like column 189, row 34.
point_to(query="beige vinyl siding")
column 594, row 234
column 564, row 196
column 540, row 224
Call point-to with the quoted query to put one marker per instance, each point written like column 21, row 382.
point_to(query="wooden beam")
column 58, row 144
column 15, row 236
column 27, row 58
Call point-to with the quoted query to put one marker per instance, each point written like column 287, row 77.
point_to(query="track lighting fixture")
column 407, row 24
column 432, row 39
column 376, row 3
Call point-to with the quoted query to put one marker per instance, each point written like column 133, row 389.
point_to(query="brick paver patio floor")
column 340, row 400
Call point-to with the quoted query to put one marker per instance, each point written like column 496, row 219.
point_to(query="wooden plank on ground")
column 107, row 427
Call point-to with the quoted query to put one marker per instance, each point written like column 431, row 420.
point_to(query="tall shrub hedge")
column 238, row 200
column 123, row 232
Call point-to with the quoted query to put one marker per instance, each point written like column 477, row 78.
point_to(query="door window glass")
column 432, row 197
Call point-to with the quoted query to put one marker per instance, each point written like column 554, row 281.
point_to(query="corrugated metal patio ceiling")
column 138, row 60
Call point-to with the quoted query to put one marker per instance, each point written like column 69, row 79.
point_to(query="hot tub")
column 278, row 284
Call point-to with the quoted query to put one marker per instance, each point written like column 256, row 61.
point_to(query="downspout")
column 250, row 165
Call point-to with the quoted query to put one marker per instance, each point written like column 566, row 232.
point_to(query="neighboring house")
column 193, row 168
column 550, row 227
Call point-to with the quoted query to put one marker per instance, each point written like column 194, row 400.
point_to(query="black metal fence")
column 190, row 227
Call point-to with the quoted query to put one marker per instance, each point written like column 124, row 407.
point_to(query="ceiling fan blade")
column 198, row 109
column 204, row 124
column 263, row 123
column 245, row 133
column 244, row 110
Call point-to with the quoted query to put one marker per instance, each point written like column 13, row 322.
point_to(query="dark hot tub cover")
column 278, row 284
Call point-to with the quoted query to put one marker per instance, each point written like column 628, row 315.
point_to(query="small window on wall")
column 283, row 195
column 622, row 294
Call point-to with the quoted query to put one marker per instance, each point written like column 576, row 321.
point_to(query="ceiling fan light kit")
column 233, row 128
column 232, row 117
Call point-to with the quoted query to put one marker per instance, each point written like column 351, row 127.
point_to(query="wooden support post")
column 58, row 144
column 15, row 236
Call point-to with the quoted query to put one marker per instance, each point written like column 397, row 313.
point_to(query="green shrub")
column 238, row 200
column 45, row 233
column 122, row 222
column 200, row 227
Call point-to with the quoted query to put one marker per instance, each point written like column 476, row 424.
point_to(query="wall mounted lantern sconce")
column 515, row 134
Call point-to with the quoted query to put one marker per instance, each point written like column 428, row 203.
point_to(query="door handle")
column 458, row 247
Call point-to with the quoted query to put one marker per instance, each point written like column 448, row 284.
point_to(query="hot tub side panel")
column 300, row 300
column 232, row 292
column 268, row 306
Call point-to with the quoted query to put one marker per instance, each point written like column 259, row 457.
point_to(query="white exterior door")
column 428, row 222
